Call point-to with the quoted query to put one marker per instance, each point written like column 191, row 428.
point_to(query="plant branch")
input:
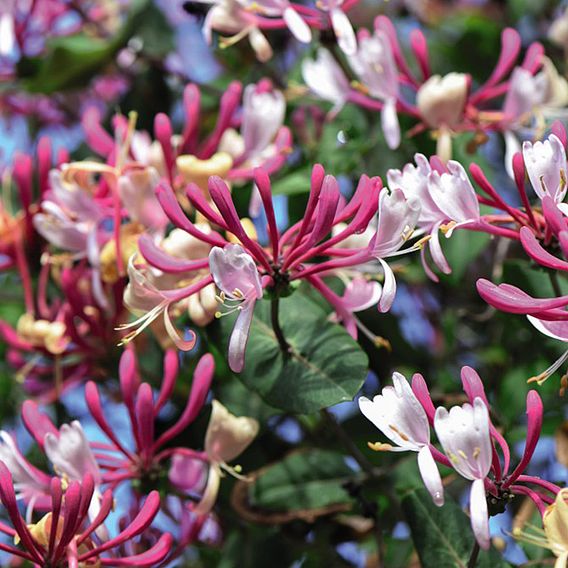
column 473, row 557
column 284, row 345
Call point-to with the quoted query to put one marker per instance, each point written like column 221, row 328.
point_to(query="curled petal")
column 431, row 475
column 389, row 288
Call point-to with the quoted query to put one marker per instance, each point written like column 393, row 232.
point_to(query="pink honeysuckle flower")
column 226, row 438
column 30, row 483
column 70, row 453
column 397, row 219
column 447, row 201
column 186, row 157
column 398, row 414
column 529, row 95
column 284, row 9
column 64, row 536
column 374, row 64
column 262, row 119
column 150, row 450
column 233, row 17
column 444, row 105
column 471, row 443
column 546, row 167
column 305, row 251
column 326, row 79
column 236, row 275
column 464, row 435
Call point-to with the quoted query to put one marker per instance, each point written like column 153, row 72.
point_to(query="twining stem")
column 473, row 557
column 284, row 345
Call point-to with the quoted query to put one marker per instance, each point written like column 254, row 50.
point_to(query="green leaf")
column 461, row 249
column 71, row 61
column 293, row 184
column 325, row 366
column 302, row 481
column 442, row 535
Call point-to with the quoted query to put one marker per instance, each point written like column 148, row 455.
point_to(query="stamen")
column 476, row 453
column 397, row 431
column 379, row 446
column 542, row 377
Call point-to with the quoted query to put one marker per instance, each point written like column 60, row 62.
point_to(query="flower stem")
column 473, row 557
column 284, row 345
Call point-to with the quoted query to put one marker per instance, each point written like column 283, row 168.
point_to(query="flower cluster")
column 470, row 442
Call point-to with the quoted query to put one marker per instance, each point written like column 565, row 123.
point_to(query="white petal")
column 479, row 514
column 390, row 125
column 431, row 475
column 389, row 288
column 297, row 25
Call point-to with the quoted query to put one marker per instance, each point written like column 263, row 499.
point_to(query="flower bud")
column 228, row 435
column 441, row 100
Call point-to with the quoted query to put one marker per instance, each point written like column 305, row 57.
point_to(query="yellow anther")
column 379, row 447
column 397, row 431
column 447, row 227
column 476, row 453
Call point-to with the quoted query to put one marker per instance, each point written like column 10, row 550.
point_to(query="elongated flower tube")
column 65, row 537
column 306, row 251
column 150, row 453
column 398, row 414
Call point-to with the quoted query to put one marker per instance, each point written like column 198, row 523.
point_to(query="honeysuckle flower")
column 236, row 275
column 296, row 254
column 470, row 442
column 285, row 10
column 441, row 102
column 444, row 105
column 554, row 534
column 227, row 437
column 233, row 17
column 374, row 65
column 326, row 79
column 398, row 414
column 447, row 200
column 30, row 483
column 342, row 27
column 65, row 536
column 464, row 435
column 546, row 167
column 397, row 219
column 70, row 453
column 150, row 450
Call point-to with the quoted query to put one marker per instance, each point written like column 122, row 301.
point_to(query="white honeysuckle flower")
column 398, row 414
column 464, row 433
column 545, row 162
